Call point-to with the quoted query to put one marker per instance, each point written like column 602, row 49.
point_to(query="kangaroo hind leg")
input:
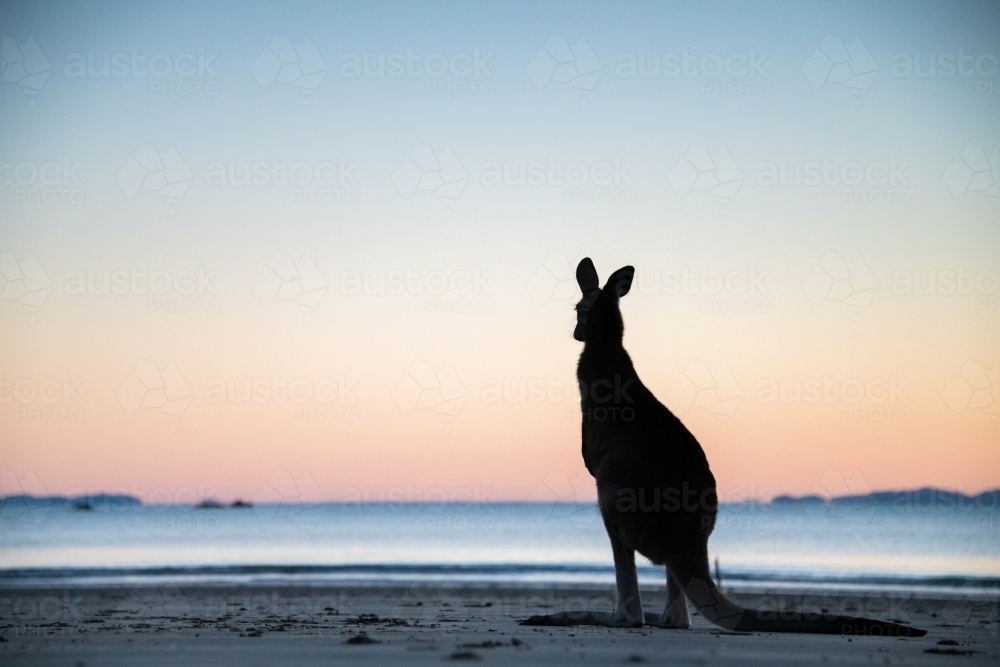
column 692, row 574
column 675, row 612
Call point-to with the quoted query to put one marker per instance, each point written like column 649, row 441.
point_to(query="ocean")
column 849, row 544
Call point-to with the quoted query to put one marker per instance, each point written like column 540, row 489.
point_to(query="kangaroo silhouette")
column 655, row 490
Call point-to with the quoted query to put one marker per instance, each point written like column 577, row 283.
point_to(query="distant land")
column 917, row 499
column 104, row 502
column 100, row 501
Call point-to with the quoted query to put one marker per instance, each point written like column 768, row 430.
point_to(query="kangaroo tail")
column 705, row 595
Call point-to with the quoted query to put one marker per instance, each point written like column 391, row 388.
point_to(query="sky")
column 326, row 251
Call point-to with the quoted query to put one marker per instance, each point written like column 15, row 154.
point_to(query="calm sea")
column 842, row 545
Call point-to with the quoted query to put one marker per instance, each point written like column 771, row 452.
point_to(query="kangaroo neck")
column 603, row 362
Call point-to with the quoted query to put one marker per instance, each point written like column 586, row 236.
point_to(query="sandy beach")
column 287, row 625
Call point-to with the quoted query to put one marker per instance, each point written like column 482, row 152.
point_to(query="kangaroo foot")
column 662, row 621
column 608, row 619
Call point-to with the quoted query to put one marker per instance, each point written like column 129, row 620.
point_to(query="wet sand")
column 378, row 625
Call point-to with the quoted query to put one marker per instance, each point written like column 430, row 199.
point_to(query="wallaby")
column 655, row 490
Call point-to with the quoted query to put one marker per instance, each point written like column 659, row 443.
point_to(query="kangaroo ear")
column 621, row 280
column 586, row 276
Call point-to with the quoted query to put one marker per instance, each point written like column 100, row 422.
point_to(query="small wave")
column 527, row 574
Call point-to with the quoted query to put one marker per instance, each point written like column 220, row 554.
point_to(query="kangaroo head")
column 598, row 318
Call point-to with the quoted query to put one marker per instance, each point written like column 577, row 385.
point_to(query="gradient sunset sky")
column 276, row 251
